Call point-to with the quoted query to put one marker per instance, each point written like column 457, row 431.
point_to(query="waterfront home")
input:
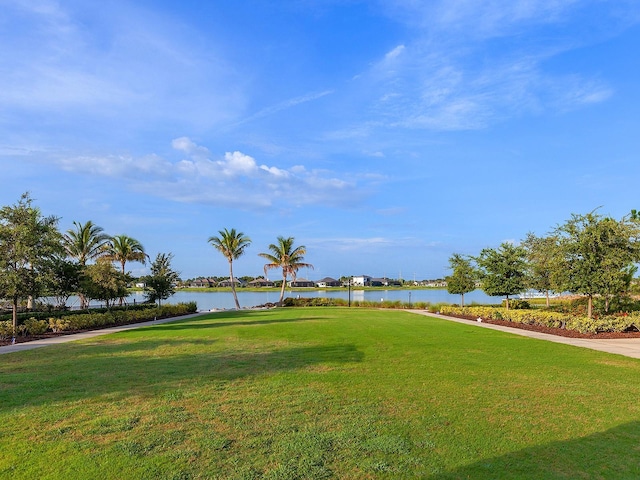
column 328, row 282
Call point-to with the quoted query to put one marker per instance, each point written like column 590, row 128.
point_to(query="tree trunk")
column 507, row 302
column 14, row 316
column 547, row 295
column 462, row 300
column 284, row 285
column 233, row 286
column 590, row 306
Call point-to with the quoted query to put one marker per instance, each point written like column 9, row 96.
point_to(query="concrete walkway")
column 20, row 347
column 629, row 347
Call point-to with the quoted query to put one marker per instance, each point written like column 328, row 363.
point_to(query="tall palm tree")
column 86, row 242
column 123, row 249
column 232, row 245
column 289, row 259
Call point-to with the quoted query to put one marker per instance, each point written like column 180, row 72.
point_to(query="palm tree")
column 284, row 256
column 232, row 245
column 123, row 249
column 86, row 242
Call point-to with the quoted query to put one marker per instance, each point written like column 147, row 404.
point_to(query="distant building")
column 328, row 282
column 261, row 282
column 236, row 281
column 361, row 281
column 301, row 282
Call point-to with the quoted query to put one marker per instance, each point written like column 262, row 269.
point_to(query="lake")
column 224, row 300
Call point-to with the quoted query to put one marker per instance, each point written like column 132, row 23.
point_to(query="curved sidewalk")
column 629, row 347
column 20, row 347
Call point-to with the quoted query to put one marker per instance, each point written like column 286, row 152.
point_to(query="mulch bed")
column 561, row 332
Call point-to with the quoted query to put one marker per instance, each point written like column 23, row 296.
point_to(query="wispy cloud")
column 467, row 65
column 112, row 62
column 285, row 105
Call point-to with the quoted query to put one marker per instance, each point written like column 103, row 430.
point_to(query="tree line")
column 591, row 255
column 36, row 259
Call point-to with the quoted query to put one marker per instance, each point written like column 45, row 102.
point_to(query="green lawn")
column 318, row 393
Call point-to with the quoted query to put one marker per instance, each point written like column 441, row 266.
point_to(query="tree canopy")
column 28, row 240
column 283, row 255
column 502, row 270
column 232, row 245
column 463, row 277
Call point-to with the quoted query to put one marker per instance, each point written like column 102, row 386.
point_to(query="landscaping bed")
column 89, row 321
column 561, row 332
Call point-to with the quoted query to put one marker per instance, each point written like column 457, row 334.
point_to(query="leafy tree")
column 102, row 281
column 598, row 255
column 27, row 241
column 290, row 260
column 463, row 277
column 544, row 268
column 160, row 285
column 63, row 279
column 503, row 270
column 232, row 245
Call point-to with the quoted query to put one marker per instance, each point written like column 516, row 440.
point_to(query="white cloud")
column 234, row 179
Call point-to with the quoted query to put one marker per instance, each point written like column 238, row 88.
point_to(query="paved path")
column 20, row 347
column 629, row 347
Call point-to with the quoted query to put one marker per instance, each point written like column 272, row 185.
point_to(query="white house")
column 361, row 280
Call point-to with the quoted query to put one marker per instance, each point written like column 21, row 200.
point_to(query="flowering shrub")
column 545, row 318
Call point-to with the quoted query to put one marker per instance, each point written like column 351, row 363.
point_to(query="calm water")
column 224, row 300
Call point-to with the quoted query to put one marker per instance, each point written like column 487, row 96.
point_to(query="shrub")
column 58, row 325
column 33, row 326
column 6, row 330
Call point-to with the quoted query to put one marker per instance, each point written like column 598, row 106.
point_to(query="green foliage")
column 598, row 255
column 547, row 318
column 232, row 245
column 27, row 241
column 101, row 281
column 6, row 329
column 34, row 326
column 464, row 276
column 503, row 270
column 160, row 285
column 284, row 256
column 543, row 263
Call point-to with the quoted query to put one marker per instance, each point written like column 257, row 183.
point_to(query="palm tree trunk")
column 122, row 263
column 233, row 285
column 284, row 285
column 462, row 299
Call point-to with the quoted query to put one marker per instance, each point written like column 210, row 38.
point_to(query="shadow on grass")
column 612, row 454
column 229, row 319
column 93, row 371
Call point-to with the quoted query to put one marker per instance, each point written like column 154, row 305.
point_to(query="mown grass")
column 318, row 393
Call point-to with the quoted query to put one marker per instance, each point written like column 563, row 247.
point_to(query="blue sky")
column 382, row 135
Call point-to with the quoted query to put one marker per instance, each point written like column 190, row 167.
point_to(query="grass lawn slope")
column 318, row 393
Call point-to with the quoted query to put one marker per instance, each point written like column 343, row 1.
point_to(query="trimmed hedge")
column 95, row 319
column 609, row 323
